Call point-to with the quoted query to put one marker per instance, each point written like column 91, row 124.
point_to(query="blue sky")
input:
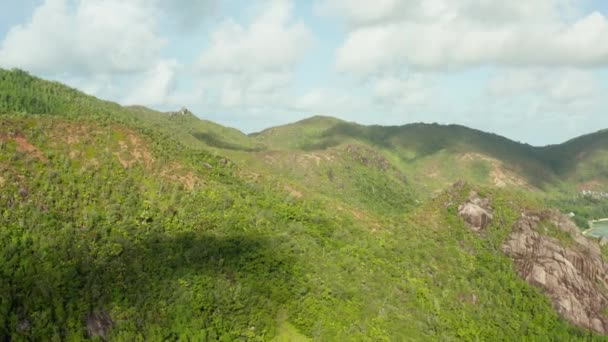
column 534, row 71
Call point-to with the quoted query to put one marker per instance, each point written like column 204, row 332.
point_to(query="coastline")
column 587, row 232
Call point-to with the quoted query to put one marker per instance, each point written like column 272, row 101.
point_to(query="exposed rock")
column 23, row 325
column 98, row 324
column 476, row 212
column 23, row 192
column 459, row 185
column 574, row 277
column 23, row 145
column 207, row 166
column 603, row 241
column 468, row 298
column 182, row 111
column 368, row 157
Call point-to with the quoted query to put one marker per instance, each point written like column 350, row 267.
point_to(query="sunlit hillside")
column 124, row 223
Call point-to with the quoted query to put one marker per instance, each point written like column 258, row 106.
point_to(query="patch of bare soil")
column 133, row 151
column 292, row 191
column 368, row 157
column 361, row 216
column 592, row 185
column 23, row 145
column 501, row 177
column 71, row 133
column 174, row 172
column 139, row 151
column 250, row 176
column 300, row 159
column 432, row 171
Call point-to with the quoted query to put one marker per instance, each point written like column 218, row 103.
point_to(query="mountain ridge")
column 418, row 147
column 125, row 223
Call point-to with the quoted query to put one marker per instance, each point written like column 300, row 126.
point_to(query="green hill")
column 124, row 223
column 420, row 145
column 583, row 159
column 423, row 149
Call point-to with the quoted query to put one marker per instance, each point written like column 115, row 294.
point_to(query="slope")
column 583, row 160
column 435, row 155
column 194, row 132
column 112, row 227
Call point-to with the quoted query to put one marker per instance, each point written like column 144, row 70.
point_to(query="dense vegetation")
column 178, row 231
column 585, row 208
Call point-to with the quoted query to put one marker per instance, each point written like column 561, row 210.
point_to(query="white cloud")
column 156, row 85
column 442, row 34
column 404, row 93
column 383, row 100
column 188, row 14
column 541, row 51
column 247, row 91
column 364, row 12
column 116, row 48
column 253, row 65
column 331, row 101
column 110, row 48
column 85, row 37
column 494, row 13
column 270, row 43
column 538, row 105
column 400, row 60
column 563, row 87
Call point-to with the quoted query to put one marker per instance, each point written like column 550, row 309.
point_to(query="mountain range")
column 126, row 223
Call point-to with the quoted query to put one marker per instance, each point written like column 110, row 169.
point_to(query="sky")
column 533, row 71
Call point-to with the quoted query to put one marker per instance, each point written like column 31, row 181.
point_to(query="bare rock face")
column 572, row 274
column 24, row 325
column 476, row 212
column 98, row 324
column 182, row 112
column 368, row 157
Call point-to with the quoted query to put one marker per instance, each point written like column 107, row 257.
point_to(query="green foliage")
column 585, row 208
column 133, row 212
column 194, row 132
column 151, row 254
column 22, row 93
column 416, row 146
column 214, row 141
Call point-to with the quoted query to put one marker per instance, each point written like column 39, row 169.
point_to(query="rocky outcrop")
column 182, row 112
column 368, row 157
column 476, row 212
column 570, row 270
column 98, row 324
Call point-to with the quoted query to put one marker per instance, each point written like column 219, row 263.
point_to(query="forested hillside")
column 123, row 223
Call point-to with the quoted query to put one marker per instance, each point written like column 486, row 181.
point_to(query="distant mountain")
column 583, row 160
column 125, row 223
column 448, row 152
column 445, row 153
